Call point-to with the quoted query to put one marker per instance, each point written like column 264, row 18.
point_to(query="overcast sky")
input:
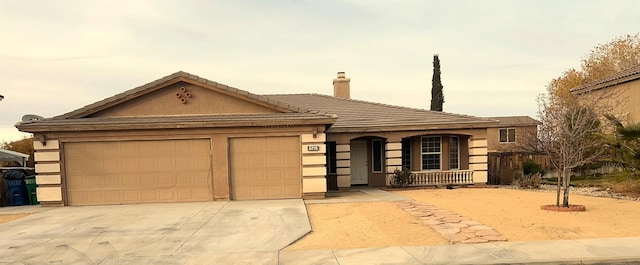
column 496, row 56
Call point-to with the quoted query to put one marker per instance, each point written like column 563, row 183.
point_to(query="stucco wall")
column 165, row 101
column 524, row 136
column 622, row 100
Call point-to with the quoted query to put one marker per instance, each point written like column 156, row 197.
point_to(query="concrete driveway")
column 236, row 232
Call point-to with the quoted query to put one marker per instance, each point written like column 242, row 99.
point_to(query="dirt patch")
column 364, row 225
column 516, row 214
column 4, row 218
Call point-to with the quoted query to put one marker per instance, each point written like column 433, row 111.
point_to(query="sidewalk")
column 584, row 251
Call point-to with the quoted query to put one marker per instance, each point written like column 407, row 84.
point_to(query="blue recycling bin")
column 17, row 192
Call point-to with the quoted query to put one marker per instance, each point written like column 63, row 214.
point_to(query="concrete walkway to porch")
column 359, row 194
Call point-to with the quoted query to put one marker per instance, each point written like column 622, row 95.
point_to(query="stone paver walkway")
column 455, row 228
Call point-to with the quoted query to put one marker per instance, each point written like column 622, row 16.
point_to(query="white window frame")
column 507, row 130
column 422, row 152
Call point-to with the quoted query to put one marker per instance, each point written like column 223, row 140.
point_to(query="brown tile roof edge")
column 177, row 121
column 515, row 121
column 177, row 76
column 623, row 76
column 387, row 105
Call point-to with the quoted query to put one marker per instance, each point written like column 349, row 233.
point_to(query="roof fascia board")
column 66, row 127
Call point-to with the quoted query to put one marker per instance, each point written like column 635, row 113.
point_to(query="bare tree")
column 570, row 135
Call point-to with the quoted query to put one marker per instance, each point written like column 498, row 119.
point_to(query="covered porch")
column 434, row 158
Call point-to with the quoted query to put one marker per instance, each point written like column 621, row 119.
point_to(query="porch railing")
column 430, row 178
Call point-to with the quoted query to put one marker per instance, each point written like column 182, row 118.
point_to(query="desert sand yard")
column 515, row 214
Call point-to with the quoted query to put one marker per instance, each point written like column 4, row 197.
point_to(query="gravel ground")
column 586, row 191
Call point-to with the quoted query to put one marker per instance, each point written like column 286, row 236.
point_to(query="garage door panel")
column 200, row 178
column 187, row 193
column 130, row 196
column 149, row 196
column 110, row 149
column 113, row 195
column 112, row 165
column 183, row 163
column 148, row 179
column 146, row 148
column 166, row 195
column 265, row 168
column 130, row 181
column 92, row 165
column 167, row 179
column 112, row 181
column 93, row 182
column 130, row 164
column 165, row 163
column 95, row 196
column 202, row 163
column 137, row 172
column 165, row 149
column 147, row 164
column 184, row 179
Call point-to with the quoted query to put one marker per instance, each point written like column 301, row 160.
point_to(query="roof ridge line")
column 593, row 85
column 138, row 91
column 400, row 107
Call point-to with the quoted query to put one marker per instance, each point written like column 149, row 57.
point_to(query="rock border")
column 571, row 208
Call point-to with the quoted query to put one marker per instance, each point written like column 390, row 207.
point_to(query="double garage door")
column 129, row 172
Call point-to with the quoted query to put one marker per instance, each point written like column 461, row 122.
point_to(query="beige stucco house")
column 185, row 138
column 619, row 93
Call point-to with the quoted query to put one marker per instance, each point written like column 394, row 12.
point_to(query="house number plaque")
column 313, row 148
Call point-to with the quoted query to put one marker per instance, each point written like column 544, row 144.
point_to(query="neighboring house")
column 511, row 142
column 620, row 92
column 185, row 138
column 512, row 134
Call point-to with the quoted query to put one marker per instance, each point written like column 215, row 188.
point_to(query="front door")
column 359, row 162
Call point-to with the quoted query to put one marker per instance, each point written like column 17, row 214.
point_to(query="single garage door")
column 265, row 168
column 128, row 172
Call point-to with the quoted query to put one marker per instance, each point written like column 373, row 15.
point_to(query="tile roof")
column 363, row 116
column 515, row 121
column 344, row 115
column 627, row 75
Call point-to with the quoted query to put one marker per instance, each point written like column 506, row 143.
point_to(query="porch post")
column 343, row 165
column 48, row 172
column 393, row 158
column 478, row 159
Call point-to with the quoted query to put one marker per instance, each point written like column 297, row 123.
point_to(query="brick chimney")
column 341, row 86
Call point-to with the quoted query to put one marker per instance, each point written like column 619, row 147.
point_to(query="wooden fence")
column 505, row 167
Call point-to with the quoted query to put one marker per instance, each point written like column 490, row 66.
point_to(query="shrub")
column 531, row 167
column 529, row 181
column 401, row 178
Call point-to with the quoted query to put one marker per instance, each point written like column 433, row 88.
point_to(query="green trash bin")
column 31, row 189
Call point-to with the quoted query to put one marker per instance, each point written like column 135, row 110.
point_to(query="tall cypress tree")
column 437, row 98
